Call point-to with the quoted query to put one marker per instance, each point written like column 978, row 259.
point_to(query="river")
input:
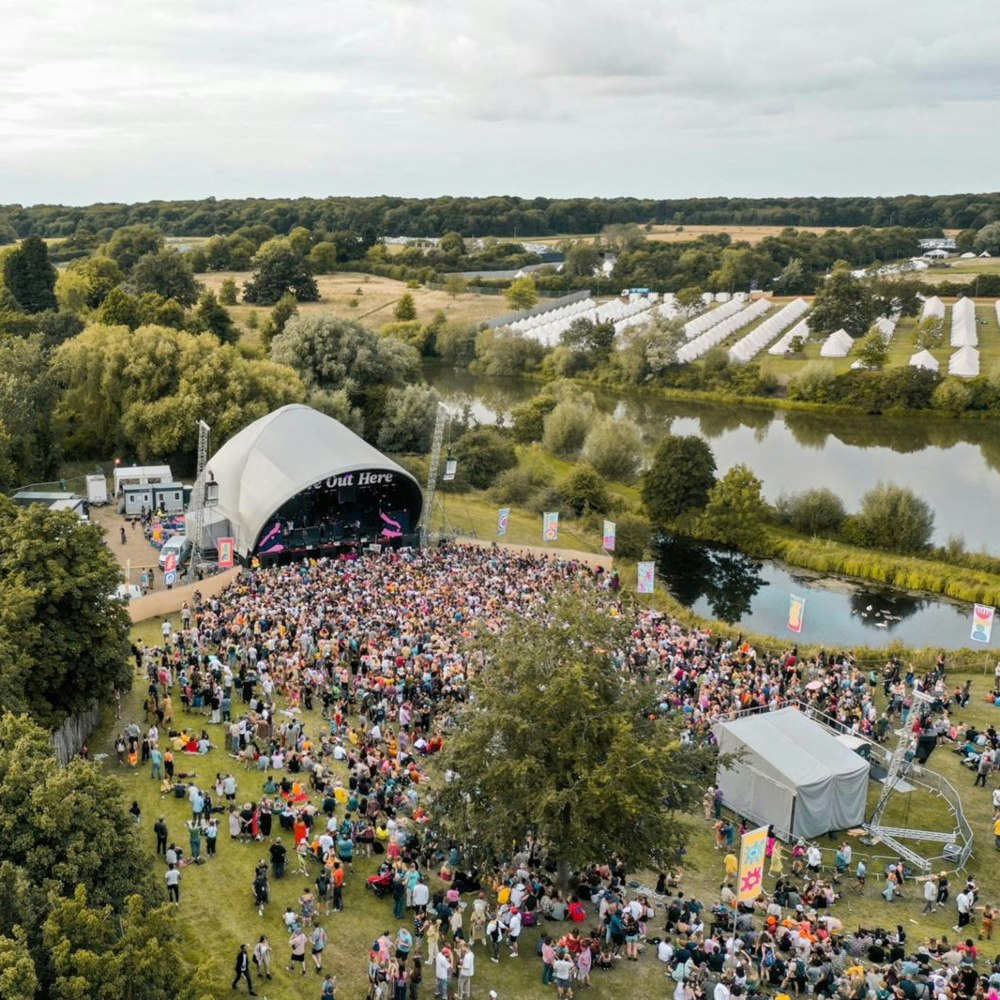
column 954, row 465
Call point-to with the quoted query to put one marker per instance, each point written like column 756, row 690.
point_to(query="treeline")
column 503, row 216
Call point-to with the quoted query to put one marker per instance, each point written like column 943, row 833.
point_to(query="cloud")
column 433, row 96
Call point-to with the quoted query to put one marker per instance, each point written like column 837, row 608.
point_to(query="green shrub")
column 813, row 512
column 613, row 446
column 584, row 490
column 812, row 383
column 952, row 396
column 566, row 428
column 516, row 486
column 891, row 517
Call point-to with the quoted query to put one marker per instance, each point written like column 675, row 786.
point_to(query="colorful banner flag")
column 796, row 613
column 610, row 533
column 750, row 882
column 170, row 563
column 227, row 554
column 982, row 622
column 550, row 526
column 647, row 577
column 503, row 519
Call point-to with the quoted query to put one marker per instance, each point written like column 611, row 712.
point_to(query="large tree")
column 843, row 302
column 557, row 743
column 145, row 391
column 166, row 273
column 130, row 243
column 679, row 478
column 29, row 276
column 279, row 270
column 72, row 642
column 735, row 510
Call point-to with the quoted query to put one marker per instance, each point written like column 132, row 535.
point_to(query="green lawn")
column 217, row 913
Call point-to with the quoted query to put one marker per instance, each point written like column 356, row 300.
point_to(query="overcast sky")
column 125, row 101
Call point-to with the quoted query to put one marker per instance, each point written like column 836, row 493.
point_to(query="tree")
column 119, row 309
column 812, row 512
column 928, row 333
column 503, row 351
column 793, row 278
column 843, row 302
column 482, row 454
column 72, row 646
column 679, row 479
column 213, row 317
column 952, row 396
column 613, row 446
column 166, row 273
column 689, row 300
column 522, row 293
column 734, row 510
column 329, row 353
column 323, row 257
column 130, row 243
column 284, row 309
column 528, row 419
column 988, row 240
column 454, row 285
column 405, row 309
column 408, row 424
column 279, row 270
column 29, row 277
column 872, row 350
column 97, row 275
column 582, row 259
column 892, row 517
column 228, row 292
column 566, row 428
column 452, row 244
column 584, row 490
column 593, row 341
column 136, row 391
column 556, row 743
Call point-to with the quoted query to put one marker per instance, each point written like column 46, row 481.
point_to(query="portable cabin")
column 168, row 497
column 141, row 475
column 132, row 499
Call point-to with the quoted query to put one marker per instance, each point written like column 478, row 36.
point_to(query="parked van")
column 180, row 546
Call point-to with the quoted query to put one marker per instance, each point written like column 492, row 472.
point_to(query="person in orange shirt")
column 338, row 886
column 301, row 830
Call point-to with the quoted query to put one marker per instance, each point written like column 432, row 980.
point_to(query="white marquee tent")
column 792, row 774
column 963, row 324
column 964, row 362
column 933, row 307
column 924, row 359
column 837, row 345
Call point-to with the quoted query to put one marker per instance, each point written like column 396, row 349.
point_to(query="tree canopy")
column 278, row 271
column 29, row 277
column 679, row 478
column 557, row 743
column 65, row 634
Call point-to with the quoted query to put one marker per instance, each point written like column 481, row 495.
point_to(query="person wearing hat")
column 443, row 969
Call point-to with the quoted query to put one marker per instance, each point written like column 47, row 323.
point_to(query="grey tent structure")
column 792, row 773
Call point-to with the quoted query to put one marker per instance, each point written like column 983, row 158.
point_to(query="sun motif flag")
column 550, row 526
column 610, row 533
column 503, row 519
column 751, row 873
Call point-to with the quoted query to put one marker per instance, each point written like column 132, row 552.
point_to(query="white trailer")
column 97, row 490
column 141, row 475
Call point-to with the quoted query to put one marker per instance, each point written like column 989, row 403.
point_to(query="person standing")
column 194, row 835
column 243, row 969
column 930, row 895
column 297, row 942
column 329, row 989
column 963, row 903
column 466, row 970
column 211, row 837
column 263, row 955
column 160, row 829
column 442, row 973
column 318, row 940
column 984, row 767
column 173, row 880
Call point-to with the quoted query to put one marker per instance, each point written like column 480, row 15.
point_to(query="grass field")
column 959, row 270
column 216, row 910
column 900, row 348
column 375, row 298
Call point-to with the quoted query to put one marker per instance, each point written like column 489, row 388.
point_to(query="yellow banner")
column 750, row 883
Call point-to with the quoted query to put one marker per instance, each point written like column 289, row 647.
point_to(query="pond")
column 838, row 613
column 954, row 465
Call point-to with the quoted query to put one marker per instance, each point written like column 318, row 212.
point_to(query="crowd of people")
column 378, row 644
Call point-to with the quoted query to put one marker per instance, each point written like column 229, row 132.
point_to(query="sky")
column 102, row 100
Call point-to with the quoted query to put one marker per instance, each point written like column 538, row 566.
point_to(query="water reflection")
column 953, row 464
column 727, row 580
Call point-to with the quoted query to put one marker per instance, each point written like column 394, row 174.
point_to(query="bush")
column 892, row 517
column 482, row 454
column 613, row 446
column 952, row 396
column 529, row 418
column 547, row 498
column 813, row 512
column 813, row 383
column 504, row 352
column 584, row 490
column 566, row 428
column 516, row 486
column 633, row 538
column 682, row 473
